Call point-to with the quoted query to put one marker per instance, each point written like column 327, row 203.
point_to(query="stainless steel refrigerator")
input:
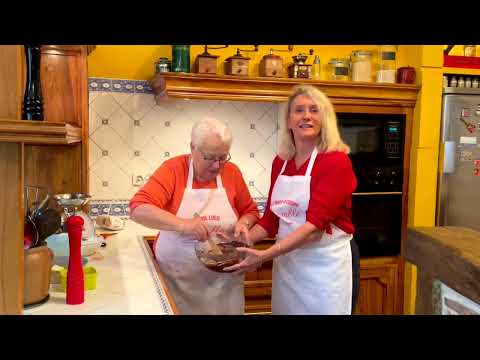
column 459, row 178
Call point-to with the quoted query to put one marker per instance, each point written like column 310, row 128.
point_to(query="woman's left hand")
column 252, row 261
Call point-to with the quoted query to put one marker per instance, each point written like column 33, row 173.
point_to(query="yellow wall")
column 137, row 61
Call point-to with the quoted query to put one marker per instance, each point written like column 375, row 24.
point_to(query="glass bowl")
column 230, row 256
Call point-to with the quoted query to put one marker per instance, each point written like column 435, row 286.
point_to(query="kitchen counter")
column 128, row 281
column 448, row 268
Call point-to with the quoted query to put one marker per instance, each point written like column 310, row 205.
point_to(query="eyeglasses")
column 211, row 159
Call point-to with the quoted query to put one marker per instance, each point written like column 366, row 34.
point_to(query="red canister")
column 406, row 75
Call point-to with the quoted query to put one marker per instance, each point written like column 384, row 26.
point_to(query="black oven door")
column 377, row 220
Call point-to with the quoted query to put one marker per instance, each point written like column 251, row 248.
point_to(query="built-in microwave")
column 376, row 149
column 376, row 143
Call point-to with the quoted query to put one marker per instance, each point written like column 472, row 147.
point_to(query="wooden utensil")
column 216, row 250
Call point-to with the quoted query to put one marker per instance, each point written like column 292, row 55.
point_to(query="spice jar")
column 162, row 65
column 361, row 65
column 339, row 69
column 387, row 64
column 453, row 82
column 475, row 83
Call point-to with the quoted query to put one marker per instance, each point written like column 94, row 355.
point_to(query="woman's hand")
column 253, row 261
column 241, row 233
column 195, row 227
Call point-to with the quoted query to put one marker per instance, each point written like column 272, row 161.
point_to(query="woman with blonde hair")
column 309, row 210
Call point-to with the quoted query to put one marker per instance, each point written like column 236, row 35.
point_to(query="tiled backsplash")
column 131, row 135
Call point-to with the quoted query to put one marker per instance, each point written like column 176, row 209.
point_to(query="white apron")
column 194, row 288
column 315, row 278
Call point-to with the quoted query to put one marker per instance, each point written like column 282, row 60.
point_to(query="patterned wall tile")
column 130, row 134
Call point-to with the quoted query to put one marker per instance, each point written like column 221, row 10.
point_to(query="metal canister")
column 162, row 65
column 181, row 58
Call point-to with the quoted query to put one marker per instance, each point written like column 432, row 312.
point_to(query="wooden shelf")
column 39, row 132
column 227, row 87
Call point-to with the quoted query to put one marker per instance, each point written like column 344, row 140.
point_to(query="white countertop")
column 127, row 283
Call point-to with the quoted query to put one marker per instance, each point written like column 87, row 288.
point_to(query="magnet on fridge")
column 468, row 140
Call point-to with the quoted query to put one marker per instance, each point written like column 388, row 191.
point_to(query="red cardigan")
column 332, row 184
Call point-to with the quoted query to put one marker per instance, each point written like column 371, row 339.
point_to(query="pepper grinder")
column 75, row 282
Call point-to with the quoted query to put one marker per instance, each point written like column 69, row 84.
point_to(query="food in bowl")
column 230, row 256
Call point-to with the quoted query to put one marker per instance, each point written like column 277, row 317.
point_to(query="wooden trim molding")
column 39, row 132
column 228, row 87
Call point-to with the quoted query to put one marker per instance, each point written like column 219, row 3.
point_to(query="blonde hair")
column 210, row 126
column 329, row 138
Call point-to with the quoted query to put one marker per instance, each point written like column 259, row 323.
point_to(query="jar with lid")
column 468, row 82
column 316, row 68
column 475, row 82
column 461, row 82
column 162, row 65
column 445, row 81
column 339, row 69
column 181, row 58
column 453, row 81
column 469, row 50
column 361, row 65
column 387, row 64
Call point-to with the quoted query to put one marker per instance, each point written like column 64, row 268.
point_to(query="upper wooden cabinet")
column 52, row 154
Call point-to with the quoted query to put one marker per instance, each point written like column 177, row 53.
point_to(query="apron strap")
column 283, row 167
column 312, row 161
column 190, row 177
column 313, row 156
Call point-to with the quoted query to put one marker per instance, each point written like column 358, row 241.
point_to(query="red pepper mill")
column 75, row 284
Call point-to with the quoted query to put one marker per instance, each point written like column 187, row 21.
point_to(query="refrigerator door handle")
column 449, row 153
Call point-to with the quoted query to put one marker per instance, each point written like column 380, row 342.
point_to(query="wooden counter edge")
column 448, row 265
column 159, row 273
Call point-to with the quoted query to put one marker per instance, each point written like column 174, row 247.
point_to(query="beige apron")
column 194, row 288
column 316, row 278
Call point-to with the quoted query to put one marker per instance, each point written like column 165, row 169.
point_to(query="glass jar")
column 316, row 68
column 387, row 64
column 162, row 65
column 339, row 69
column 181, row 58
column 361, row 65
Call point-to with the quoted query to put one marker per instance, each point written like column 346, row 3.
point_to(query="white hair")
column 210, row 126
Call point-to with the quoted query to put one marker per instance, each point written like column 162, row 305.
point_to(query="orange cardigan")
column 166, row 187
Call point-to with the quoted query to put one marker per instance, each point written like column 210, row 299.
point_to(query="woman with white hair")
column 187, row 198
column 309, row 209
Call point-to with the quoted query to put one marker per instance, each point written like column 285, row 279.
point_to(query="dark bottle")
column 32, row 99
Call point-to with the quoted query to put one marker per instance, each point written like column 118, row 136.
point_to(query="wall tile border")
column 119, row 85
column 119, row 207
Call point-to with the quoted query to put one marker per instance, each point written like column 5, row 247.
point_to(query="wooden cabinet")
column 52, row 154
column 258, row 285
column 378, row 287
